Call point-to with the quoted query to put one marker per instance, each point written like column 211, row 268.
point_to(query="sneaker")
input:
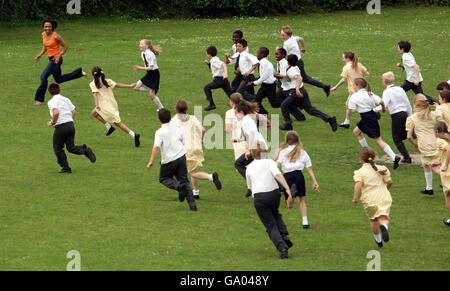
column 343, row 125
column 193, row 206
column 333, row 123
column 286, row 126
column 446, row 221
column 288, row 243
column 210, row 107
column 380, row 244
column 196, row 197
column 182, row 190
column 249, row 193
column 137, row 141
column 110, row 130
column 90, row 154
column 427, row 192
column 299, row 116
column 327, row 89
column 406, row 160
column 65, row 171
column 384, row 233
column 396, row 162
column 284, row 254
column 216, row 181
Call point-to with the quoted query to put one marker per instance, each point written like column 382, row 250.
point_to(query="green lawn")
column 118, row 216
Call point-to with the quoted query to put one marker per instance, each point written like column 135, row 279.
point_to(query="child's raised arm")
column 356, row 191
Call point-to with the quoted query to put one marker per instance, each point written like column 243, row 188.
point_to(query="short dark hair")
column 181, row 106
column 53, row 22
column 264, row 51
column 211, row 50
column 404, row 45
column 282, row 51
column 443, row 86
column 164, row 115
column 292, row 60
column 239, row 33
column 445, row 94
column 243, row 42
column 54, row 89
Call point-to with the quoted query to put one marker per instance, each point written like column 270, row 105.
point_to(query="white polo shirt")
column 170, row 140
column 260, row 176
column 303, row 161
column 362, row 102
column 282, row 66
column 248, row 126
column 292, row 73
column 396, row 100
column 64, row 106
column 408, row 63
column 247, row 61
column 216, row 67
column 235, row 55
column 266, row 72
column 149, row 59
column 291, row 46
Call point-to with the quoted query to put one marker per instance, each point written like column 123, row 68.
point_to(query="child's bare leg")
column 447, row 200
column 362, row 141
column 123, row 127
column 437, row 170
column 98, row 116
column 194, row 183
column 375, row 227
column 138, row 85
column 303, row 211
column 155, row 98
column 383, row 219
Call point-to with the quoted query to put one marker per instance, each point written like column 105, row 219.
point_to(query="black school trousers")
column 290, row 104
column 399, row 132
column 174, row 174
column 64, row 134
column 218, row 82
column 418, row 90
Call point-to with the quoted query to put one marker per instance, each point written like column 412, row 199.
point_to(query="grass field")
column 117, row 215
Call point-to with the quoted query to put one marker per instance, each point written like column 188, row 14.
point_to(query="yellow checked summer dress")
column 445, row 176
column 375, row 196
column 189, row 125
column 424, row 129
column 351, row 74
column 443, row 113
column 109, row 110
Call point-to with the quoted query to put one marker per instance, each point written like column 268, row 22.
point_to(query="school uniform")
column 443, row 113
column 267, row 81
column 424, row 130
column 215, row 64
column 248, row 126
column 151, row 78
column 246, row 62
column 261, row 181
column 234, row 59
column 408, row 62
column 170, row 140
column 240, row 146
column 445, row 176
column 365, row 104
column 293, row 170
column 397, row 102
column 351, row 74
column 65, row 132
column 109, row 110
column 283, row 91
column 291, row 47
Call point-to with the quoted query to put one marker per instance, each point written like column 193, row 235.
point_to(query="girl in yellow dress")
column 193, row 132
column 443, row 110
column 443, row 141
column 106, row 109
column 422, row 122
column 374, row 182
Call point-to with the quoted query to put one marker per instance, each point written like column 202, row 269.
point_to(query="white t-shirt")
column 248, row 126
column 64, row 106
column 247, row 61
column 408, row 63
column 362, row 102
column 303, row 161
column 149, row 59
column 291, row 46
column 216, row 67
column 266, row 72
column 260, row 176
column 170, row 140
column 235, row 55
column 282, row 66
column 396, row 100
column 292, row 74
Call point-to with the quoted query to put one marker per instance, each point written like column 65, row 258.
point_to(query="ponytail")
column 361, row 82
column 245, row 106
column 155, row 49
column 353, row 57
column 368, row 156
column 99, row 75
column 441, row 129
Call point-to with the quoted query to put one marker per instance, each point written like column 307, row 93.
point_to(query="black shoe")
column 333, row 123
column 193, row 206
column 299, row 116
column 216, row 181
column 182, row 191
column 90, row 154
column 384, row 233
column 306, row 226
column 284, row 254
column 210, row 107
column 110, row 130
column 427, row 192
column 286, row 126
column 288, row 243
column 294, row 190
column 380, row 244
column 137, row 141
column 396, row 162
column 407, row 161
column 347, row 126
column 446, row 221
column 249, row 193
column 65, row 171
column 327, row 90
column 196, row 197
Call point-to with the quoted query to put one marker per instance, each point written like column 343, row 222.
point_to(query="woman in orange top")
column 52, row 43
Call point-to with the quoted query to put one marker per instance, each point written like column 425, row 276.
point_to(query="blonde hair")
column 287, row 29
column 389, row 78
column 292, row 138
column 421, row 107
column 155, row 49
column 258, row 150
column 368, row 156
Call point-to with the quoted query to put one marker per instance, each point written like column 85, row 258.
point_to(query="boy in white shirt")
column 397, row 102
column 246, row 66
column 170, row 140
column 220, row 75
column 234, row 59
column 413, row 76
column 63, row 112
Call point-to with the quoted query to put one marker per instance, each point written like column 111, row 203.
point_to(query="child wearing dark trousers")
column 234, row 59
column 247, row 64
column 62, row 112
column 170, row 140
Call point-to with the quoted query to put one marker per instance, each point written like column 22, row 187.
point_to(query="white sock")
column 389, row 152
column 144, row 88
column 385, row 225
column 210, row 178
column 346, row 121
column 429, row 179
column 158, row 103
column 131, row 133
column 377, row 237
column 305, row 220
column 196, row 192
column 108, row 126
column 363, row 142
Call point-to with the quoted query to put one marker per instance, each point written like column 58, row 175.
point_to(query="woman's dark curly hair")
column 53, row 22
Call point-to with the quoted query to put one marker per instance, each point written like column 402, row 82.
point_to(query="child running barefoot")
column 353, row 69
column 193, row 132
column 374, row 182
column 150, row 82
column 364, row 102
column 106, row 109
column 293, row 159
column 443, row 140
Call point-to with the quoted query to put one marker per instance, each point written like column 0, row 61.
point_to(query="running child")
column 150, row 82
column 443, row 141
column 247, row 61
column 234, row 126
column 106, row 109
column 193, row 132
column 234, row 59
column 443, row 110
column 374, row 182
